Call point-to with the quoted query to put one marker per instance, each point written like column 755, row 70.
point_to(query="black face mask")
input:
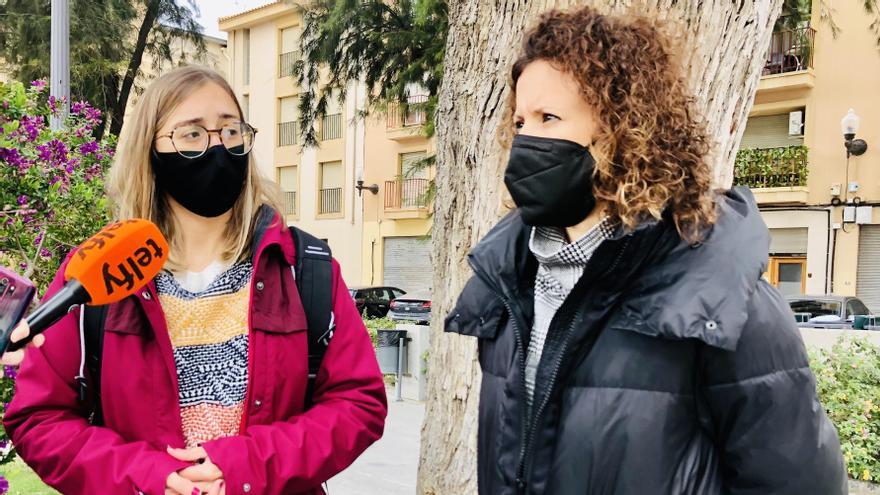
column 208, row 185
column 551, row 181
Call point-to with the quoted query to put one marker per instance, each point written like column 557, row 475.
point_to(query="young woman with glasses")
column 204, row 371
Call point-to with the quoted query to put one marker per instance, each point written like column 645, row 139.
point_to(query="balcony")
column 775, row 175
column 407, row 198
column 407, row 123
column 288, row 201
column 789, row 61
column 331, row 201
column 287, row 133
column 331, row 127
column 287, row 62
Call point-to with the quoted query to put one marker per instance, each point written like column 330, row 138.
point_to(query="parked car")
column 830, row 311
column 412, row 308
column 375, row 301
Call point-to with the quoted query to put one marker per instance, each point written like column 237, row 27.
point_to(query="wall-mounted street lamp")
column 850, row 126
column 359, row 185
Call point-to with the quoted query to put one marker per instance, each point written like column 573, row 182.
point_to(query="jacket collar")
column 270, row 230
column 667, row 288
column 703, row 291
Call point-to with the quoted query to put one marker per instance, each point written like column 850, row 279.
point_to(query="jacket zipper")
column 530, row 424
column 527, row 458
column 520, row 348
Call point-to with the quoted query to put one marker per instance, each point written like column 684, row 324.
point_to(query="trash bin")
column 860, row 322
column 387, row 350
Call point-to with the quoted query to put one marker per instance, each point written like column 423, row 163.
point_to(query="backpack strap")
column 313, row 272
column 93, row 335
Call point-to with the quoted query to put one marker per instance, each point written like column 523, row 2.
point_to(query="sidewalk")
column 389, row 466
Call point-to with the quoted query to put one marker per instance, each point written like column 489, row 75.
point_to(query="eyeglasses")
column 191, row 140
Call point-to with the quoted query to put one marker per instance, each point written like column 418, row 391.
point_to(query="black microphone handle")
column 72, row 294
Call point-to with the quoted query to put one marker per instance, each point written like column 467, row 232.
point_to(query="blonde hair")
column 131, row 183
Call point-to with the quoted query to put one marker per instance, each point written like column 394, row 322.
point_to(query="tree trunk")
column 729, row 39
column 134, row 65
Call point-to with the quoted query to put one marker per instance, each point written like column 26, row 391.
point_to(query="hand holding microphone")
column 14, row 358
column 108, row 267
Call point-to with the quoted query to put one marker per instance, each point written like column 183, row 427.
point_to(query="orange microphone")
column 108, row 267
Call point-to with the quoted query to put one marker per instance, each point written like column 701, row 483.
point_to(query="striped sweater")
column 209, row 336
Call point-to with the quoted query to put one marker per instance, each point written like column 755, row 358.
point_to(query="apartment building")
column 381, row 234
column 820, row 204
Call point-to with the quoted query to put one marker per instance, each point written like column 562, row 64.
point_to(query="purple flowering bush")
column 51, row 182
column 51, row 190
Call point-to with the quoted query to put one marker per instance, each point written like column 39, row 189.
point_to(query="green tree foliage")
column 392, row 46
column 108, row 41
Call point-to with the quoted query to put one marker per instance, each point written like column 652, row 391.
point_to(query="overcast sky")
column 211, row 10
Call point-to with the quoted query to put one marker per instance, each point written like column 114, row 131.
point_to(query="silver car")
column 414, row 307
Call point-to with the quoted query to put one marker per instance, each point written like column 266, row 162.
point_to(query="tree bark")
column 150, row 16
column 726, row 43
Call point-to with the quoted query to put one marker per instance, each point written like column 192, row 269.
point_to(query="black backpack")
column 313, row 272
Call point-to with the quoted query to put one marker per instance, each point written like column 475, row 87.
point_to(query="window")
column 410, row 189
column 416, row 98
column 816, row 307
column 855, row 307
column 287, row 179
column 289, row 50
column 395, row 293
column 288, row 121
column 410, row 165
column 376, row 296
column 331, row 126
column 770, row 131
column 789, row 275
column 384, row 296
column 331, row 188
column 246, row 55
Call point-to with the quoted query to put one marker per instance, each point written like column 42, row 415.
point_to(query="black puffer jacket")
column 670, row 369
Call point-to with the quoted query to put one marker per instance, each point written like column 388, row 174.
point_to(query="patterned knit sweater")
column 560, row 265
column 208, row 327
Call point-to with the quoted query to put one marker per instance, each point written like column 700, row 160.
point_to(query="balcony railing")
column 331, row 127
column 331, row 201
column 288, row 199
column 790, row 51
column 404, row 194
column 414, row 115
column 286, row 62
column 771, row 167
column 287, row 134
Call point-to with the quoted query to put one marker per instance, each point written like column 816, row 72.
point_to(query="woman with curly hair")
column 628, row 342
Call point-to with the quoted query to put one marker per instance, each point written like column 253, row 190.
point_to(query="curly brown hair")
column 651, row 148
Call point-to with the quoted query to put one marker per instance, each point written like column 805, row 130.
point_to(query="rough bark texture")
column 726, row 43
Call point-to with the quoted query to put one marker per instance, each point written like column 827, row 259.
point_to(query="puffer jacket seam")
column 756, row 378
column 630, row 389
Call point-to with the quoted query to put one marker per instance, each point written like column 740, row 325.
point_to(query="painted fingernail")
column 196, row 491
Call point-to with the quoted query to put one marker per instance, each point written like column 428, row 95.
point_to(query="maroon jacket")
column 281, row 448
